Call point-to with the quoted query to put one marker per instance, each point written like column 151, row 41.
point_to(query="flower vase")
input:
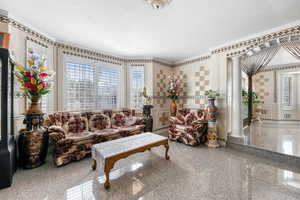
column 33, row 140
column 173, row 107
column 212, row 110
column 34, row 106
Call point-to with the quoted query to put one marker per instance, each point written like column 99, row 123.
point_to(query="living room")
column 149, row 99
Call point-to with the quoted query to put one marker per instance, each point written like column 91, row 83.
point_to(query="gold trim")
column 88, row 56
column 37, row 42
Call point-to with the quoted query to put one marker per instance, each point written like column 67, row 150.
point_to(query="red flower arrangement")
column 35, row 79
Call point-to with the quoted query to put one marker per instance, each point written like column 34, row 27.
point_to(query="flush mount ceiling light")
column 158, row 4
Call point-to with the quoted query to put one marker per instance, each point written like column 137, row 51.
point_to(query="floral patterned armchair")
column 189, row 127
column 75, row 132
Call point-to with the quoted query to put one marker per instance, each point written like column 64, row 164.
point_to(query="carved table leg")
column 94, row 164
column 107, row 167
column 167, row 149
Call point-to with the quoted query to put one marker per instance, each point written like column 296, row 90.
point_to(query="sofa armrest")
column 175, row 120
column 57, row 136
column 57, row 133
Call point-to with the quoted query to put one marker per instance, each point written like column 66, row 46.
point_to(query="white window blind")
column 136, row 77
column 108, row 89
column 79, row 86
column 89, row 85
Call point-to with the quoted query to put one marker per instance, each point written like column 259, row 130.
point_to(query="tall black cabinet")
column 7, row 140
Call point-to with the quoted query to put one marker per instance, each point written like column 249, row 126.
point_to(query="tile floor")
column 192, row 173
column 281, row 137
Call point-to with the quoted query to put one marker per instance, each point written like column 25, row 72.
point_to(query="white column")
column 237, row 98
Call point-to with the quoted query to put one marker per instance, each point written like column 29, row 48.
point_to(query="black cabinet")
column 7, row 140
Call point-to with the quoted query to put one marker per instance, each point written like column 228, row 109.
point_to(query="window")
column 108, row 95
column 91, row 86
column 286, row 93
column 136, row 76
column 79, row 87
column 288, row 99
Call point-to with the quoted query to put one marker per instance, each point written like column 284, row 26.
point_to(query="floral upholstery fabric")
column 75, row 133
column 118, row 120
column 189, row 127
column 99, row 121
column 77, row 124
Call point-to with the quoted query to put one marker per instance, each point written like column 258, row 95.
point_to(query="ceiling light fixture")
column 158, row 4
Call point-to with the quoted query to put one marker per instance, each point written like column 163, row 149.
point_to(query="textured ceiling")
column 186, row 28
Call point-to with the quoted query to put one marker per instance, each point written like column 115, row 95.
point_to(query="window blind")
column 91, row 86
column 136, row 76
column 108, row 95
column 79, row 86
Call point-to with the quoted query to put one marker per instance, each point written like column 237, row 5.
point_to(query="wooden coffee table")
column 110, row 152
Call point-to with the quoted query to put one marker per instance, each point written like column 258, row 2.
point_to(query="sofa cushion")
column 117, row 120
column 190, row 118
column 77, row 124
column 99, row 121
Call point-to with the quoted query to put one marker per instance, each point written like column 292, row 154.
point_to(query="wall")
column 161, row 104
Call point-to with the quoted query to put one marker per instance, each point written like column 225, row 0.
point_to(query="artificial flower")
column 20, row 68
column 43, row 69
column 23, row 89
column 45, row 84
column 40, row 86
column 28, row 74
column 43, row 75
column 30, row 62
column 33, row 81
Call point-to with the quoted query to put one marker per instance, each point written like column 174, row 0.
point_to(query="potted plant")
column 255, row 98
column 35, row 81
column 173, row 91
column 211, row 108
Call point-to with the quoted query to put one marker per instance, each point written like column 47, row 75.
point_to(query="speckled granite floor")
column 192, row 173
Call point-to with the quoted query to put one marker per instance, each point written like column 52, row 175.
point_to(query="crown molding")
column 281, row 67
column 250, row 43
column 192, row 60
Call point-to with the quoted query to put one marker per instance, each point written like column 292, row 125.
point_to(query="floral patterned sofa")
column 75, row 132
column 189, row 126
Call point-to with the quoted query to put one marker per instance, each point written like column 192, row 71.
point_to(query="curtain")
column 254, row 64
column 293, row 48
column 257, row 62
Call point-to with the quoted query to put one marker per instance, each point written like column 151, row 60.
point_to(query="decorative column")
column 237, row 98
